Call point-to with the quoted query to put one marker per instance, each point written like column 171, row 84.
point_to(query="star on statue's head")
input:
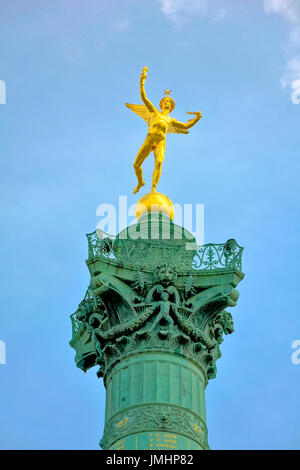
column 167, row 92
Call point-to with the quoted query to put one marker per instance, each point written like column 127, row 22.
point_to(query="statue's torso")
column 159, row 126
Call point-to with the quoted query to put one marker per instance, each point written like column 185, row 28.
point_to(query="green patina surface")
column 152, row 320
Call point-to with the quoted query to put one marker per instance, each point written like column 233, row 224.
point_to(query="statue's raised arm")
column 145, row 100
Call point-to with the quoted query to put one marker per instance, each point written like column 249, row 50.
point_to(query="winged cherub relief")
column 159, row 124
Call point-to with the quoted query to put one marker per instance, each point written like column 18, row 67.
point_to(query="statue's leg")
column 158, row 318
column 159, row 154
column 143, row 153
column 170, row 320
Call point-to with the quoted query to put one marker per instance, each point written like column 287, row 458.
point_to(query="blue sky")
column 68, row 143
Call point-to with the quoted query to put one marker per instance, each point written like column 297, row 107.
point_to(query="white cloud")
column 290, row 11
column 179, row 11
column 292, row 78
column 292, row 72
column 175, row 10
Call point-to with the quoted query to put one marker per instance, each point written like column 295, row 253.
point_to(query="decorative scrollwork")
column 79, row 317
column 208, row 257
column 219, row 256
column 77, row 326
column 100, row 245
column 155, row 417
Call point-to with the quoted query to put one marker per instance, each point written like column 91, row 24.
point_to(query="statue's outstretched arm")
column 190, row 123
column 145, row 100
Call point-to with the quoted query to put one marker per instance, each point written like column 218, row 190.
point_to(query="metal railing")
column 211, row 256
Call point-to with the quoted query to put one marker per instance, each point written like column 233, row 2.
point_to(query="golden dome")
column 154, row 202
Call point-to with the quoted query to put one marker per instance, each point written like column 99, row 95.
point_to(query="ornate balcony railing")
column 211, row 256
column 102, row 247
column 219, row 256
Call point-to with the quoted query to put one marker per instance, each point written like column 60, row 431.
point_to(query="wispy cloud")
column 174, row 9
column 289, row 9
column 113, row 28
column 75, row 45
column 292, row 78
column 290, row 12
column 292, row 73
column 179, row 11
column 71, row 25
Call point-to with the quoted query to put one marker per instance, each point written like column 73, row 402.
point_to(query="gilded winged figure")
column 159, row 124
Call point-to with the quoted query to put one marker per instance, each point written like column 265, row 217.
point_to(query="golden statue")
column 159, row 124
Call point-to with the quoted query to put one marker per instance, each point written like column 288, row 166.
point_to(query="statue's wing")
column 141, row 110
column 174, row 129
